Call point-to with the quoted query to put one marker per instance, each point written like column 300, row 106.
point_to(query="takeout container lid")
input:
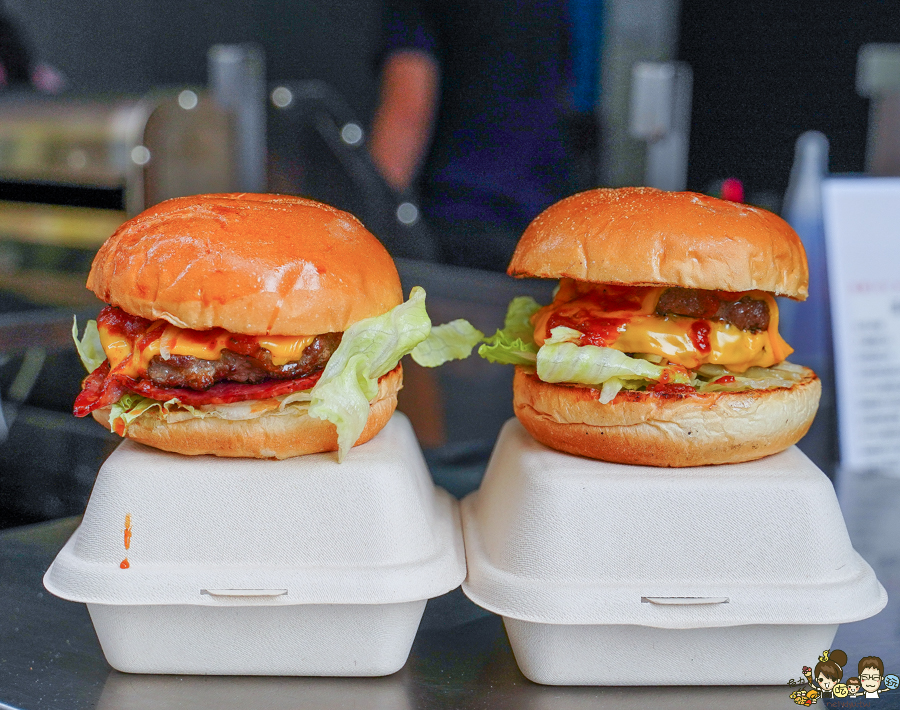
column 560, row 539
column 206, row 530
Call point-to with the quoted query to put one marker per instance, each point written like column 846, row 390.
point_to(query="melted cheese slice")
column 165, row 339
column 669, row 336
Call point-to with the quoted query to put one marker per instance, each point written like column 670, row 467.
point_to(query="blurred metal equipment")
column 661, row 115
column 634, row 31
column 878, row 79
column 122, row 153
column 237, row 79
column 73, row 169
column 317, row 149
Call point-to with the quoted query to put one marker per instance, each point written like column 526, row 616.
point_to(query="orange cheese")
column 204, row 344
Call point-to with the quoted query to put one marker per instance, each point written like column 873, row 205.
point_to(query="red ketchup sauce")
column 724, row 380
column 594, row 331
column 666, row 386
column 671, row 388
column 616, row 298
column 699, row 335
column 118, row 322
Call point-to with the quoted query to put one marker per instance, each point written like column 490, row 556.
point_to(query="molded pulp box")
column 609, row 574
column 239, row 566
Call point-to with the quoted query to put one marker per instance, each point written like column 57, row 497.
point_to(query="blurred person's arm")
column 404, row 119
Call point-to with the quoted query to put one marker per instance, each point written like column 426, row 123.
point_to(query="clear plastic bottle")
column 807, row 325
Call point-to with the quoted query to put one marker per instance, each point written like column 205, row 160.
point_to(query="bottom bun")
column 660, row 429
column 270, row 436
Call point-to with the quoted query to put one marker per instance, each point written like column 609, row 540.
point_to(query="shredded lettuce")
column 89, row 348
column 784, row 374
column 592, row 365
column 131, row 406
column 450, row 341
column 610, row 389
column 369, row 349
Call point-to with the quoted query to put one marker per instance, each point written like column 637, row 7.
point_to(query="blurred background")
column 446, row 127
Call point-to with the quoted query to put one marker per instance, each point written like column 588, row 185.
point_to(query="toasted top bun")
column 251, row 264
column 640, row 236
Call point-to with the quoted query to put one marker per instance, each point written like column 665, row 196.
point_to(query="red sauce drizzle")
column 671, row 388
column 601, row 332
column 699, row 335
column 724, row 380
column 124, row 564
column 666, row 386
column 118, row 322
column 616, row 298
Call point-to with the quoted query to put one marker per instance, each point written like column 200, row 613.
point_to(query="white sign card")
column 862, row 231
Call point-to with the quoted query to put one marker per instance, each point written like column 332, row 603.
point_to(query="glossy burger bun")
column 661, row 429
column 251, row 264
column 266, row 437
column 641, row 236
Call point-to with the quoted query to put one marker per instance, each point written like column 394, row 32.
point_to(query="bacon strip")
column 102, row 390
column 222, row 392
column 99, row 390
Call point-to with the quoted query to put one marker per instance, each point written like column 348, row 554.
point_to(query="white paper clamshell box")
column 238, row 566
column 607, row 574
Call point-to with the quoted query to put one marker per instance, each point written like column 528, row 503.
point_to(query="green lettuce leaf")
column 89, row 348
column 504, row 351
column 450, row 341
column 514, row 345
column 369, row 349
column 592, row 365
column 517, row 324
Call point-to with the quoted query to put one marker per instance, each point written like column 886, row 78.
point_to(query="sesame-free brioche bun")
column 251, row 264
column 640, row 236
column 662, row 429
column 269, row 436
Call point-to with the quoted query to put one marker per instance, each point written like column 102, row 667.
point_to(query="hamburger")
column 246, row 325
column 661, row 346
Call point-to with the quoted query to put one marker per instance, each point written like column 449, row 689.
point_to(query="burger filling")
column 686, row 327
column 190, row 369
column 667, row 340
column 138, row 366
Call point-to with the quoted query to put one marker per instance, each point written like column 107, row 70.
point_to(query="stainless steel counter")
column 461, row 659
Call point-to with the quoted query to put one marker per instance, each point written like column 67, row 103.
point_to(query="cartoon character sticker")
column 825, row 680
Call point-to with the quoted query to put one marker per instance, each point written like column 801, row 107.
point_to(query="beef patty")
column 747, row 313
column 198, row 374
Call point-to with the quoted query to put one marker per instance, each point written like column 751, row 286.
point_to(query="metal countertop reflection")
column 50, row 658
